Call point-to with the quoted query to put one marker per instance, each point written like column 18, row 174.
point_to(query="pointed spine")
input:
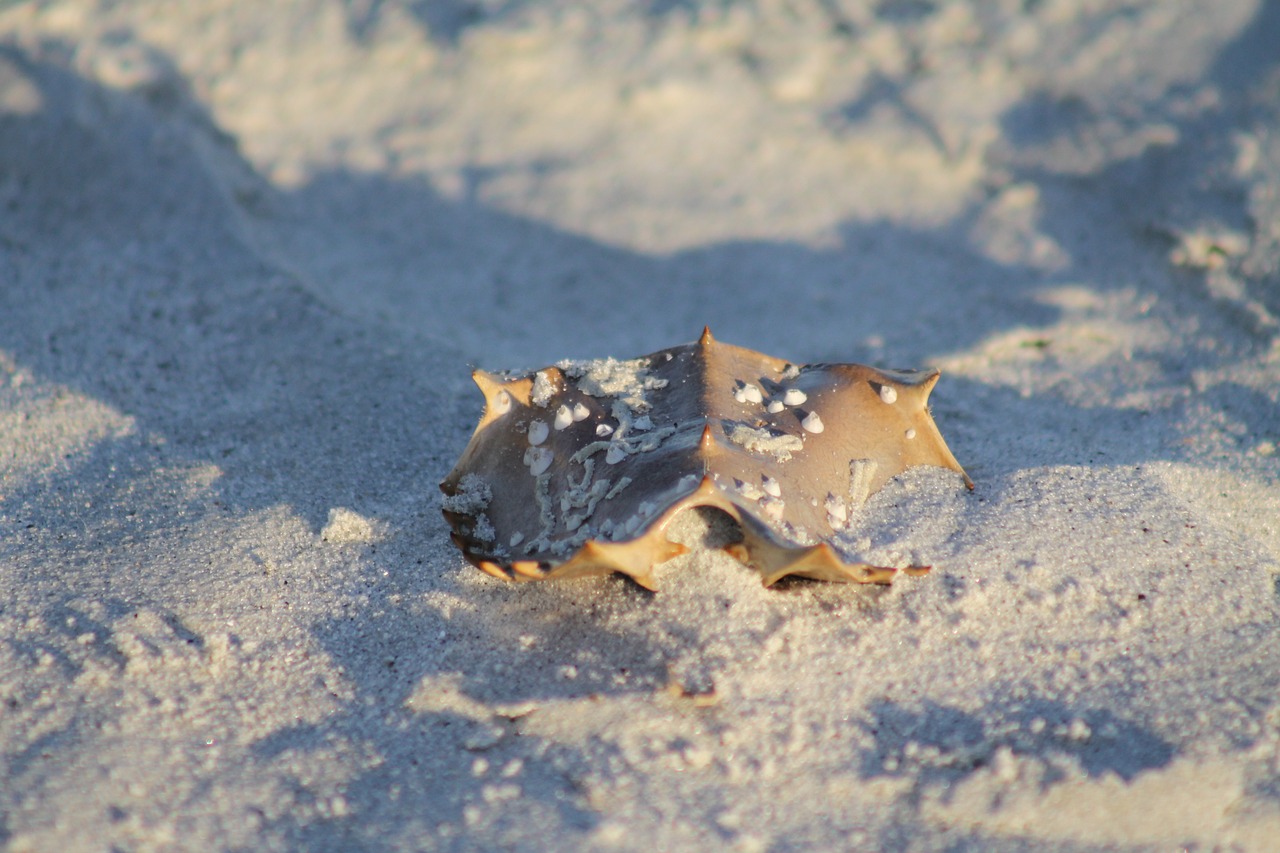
column 491, row 568
column 707, row 442
column 491, row 385
column 488, row 383
column 528, row 569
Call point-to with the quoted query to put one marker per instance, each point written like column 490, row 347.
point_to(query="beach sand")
column 250, row 253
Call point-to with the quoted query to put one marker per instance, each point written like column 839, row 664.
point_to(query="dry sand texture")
column 248, row 252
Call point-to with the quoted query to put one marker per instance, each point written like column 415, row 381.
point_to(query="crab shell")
column 577, row 469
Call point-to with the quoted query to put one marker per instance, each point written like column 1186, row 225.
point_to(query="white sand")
column 248, row 252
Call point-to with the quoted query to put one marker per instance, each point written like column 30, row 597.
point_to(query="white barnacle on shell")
column 538, row 432
column 771, row 486
column 749, row 393
column 538, row 459
column 616, row 453
column 837, row 511
column 773, row 507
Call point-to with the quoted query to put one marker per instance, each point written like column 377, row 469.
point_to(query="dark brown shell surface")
column 577, row 469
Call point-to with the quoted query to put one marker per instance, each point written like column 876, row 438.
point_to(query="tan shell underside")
column 577, row 469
